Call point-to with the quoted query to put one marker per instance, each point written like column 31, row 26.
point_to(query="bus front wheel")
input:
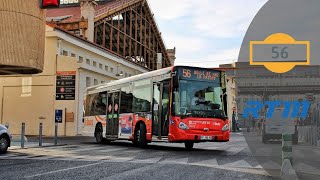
column 189, row 145
column 99, row 134
column 140, row 136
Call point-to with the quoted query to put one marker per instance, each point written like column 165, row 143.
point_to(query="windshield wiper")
column 186, row 115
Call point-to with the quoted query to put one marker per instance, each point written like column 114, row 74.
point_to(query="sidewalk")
column 33, row 141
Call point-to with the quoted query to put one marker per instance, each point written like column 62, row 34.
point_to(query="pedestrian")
column 253, row 124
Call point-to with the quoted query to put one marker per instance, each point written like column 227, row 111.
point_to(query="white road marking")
column 112, row 149
column 61, row 170
column 236, row 169
column 133, row 151
column 271, row 165
column 258, row 167
column 150, row 160
column 263, row 152
column 206, row 162
column 234, row 150
column 239, row 164
column 305, row 168
column 175, row 161
column 120, row 159
column 87, row 149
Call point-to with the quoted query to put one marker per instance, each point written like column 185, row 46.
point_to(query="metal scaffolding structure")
column 126, row 28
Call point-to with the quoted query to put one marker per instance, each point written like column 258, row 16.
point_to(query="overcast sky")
column 205, row 32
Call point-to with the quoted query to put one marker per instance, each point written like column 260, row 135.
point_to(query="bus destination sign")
column 199, row 74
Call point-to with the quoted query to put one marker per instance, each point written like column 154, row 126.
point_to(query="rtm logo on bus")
column 298, row 108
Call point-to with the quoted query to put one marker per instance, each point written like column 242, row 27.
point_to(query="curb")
column 37, row 146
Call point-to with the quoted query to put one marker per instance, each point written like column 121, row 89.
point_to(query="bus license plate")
column 206, row 137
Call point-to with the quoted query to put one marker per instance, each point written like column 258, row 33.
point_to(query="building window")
column 73, row 55
column 65, row 53
column 129, row 75
column 88, row 61
column 111, row 69
column 88, row 81
column 100, row 66
column 126, row 75
column 96, row 82
column 94, row 64
column 80, row 59
column 102, row 82
column 106, row 68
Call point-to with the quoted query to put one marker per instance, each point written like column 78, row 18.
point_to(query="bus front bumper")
column 199, row 136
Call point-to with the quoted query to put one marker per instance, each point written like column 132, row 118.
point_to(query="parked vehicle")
column 5, row 139
column 274, row 127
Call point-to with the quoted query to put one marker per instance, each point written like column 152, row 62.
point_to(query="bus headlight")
column 183, row 126
column 225, row 127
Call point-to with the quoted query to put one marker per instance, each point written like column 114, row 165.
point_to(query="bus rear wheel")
column 189, row 145
column 140, row 136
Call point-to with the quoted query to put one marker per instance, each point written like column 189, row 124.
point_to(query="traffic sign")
column 66, row 85
column 58, row 116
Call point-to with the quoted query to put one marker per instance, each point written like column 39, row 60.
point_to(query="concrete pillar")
column 22, row 37
column 87, row 8
column 159, row 60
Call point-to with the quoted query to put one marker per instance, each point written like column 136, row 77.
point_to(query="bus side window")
column 142, row 98
column 126, row 101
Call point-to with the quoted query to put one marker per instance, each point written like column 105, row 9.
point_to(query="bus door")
column 160, row 110
column 112, row 127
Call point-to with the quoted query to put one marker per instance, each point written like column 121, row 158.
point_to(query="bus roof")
column 130, row 79
column 138, row 77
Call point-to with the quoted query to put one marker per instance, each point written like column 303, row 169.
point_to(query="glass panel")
column 126, row 100
column 156, row 100
column 96, row 104
column 142, row 96
column 198, row 99
column 165, row 108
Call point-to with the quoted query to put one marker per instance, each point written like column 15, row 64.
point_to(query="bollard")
column 22, row 134
column 233, row 122
column 40, row 134
column 56, row 134
column 287, row 147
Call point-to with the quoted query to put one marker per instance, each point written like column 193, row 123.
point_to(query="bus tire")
column 98, row 134
column 140, row 136
column 188, row 145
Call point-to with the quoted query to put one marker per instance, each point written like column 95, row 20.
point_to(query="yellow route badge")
column 280, row 53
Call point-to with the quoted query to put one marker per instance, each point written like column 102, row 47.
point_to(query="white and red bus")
column 177, row 104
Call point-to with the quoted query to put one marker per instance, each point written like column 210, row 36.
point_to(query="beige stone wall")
column 31, row 98
column 22, row 36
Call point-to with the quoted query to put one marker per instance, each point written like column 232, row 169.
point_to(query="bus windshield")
column 198, row 99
